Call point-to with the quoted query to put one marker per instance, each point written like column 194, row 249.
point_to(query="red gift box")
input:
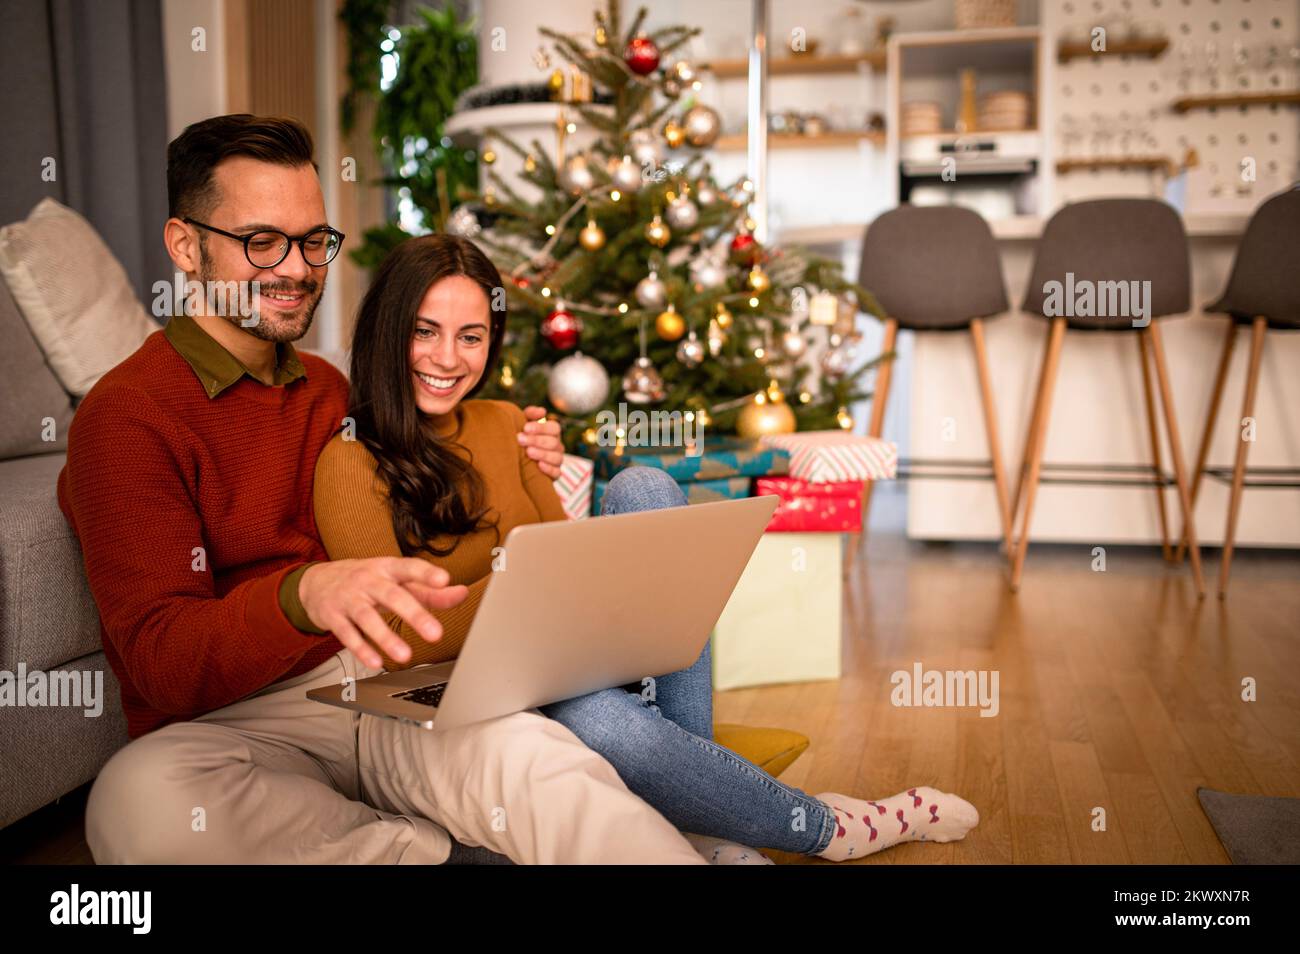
column 831, row 507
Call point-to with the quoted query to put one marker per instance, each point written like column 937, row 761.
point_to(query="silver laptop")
column 578, row 606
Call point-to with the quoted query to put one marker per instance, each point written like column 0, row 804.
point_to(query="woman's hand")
column 541, row 440
column 347, row 596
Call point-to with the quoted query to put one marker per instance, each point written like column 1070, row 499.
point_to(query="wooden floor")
column 1118, row 690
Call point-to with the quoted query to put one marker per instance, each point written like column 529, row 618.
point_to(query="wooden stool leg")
column 878, row 402
column 991, row 429
column 1257, row 330
column 1037, row 441
column 1154, row 428
column 1211, row 418
column 1152, row 331
column 1028, row 451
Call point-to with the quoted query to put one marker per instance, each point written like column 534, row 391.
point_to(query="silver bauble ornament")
column 708, row 272
column 793, row 343
column 682, row 214
column 705, row 194
column 576, row 177
column 625, row 174
column 642, row 383
column 651, row 292
column 463, row 222
column 578, row 384
column 691, row 351
column 645, row 148
column 702, row 125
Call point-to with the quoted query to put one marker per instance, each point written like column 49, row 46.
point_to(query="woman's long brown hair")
column 431, row 489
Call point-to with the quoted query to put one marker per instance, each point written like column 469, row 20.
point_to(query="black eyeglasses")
column 269, row 247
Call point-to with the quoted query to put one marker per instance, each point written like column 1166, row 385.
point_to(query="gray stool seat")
column 1263, row 292
column 1106, row 242
column 936, row 269
column 1109, row 244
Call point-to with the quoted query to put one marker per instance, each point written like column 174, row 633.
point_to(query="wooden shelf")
column 740, row 141
column 1157, row 163
column 1290, row 98
column 972, row 134
column 806, row 64
column 1149, row 48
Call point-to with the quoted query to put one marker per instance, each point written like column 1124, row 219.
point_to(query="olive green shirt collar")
column 217, row 368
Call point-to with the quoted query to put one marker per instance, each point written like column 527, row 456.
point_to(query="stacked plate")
column 920, row 118
column 1004, row 111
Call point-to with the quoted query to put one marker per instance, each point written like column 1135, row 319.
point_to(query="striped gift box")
column 574, row 486
column 825, row 456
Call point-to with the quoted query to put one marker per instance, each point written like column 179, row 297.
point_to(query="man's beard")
column 278, row 328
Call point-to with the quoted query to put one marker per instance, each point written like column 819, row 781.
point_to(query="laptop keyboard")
column 424, row 695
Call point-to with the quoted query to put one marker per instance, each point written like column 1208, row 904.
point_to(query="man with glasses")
column 188, row 483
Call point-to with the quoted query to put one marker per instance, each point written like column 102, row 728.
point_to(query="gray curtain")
column 83, row 82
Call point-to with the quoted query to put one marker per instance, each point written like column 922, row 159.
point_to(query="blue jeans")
column 661, row 743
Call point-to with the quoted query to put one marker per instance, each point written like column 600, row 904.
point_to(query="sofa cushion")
column 47, row 615
column 29, row 391
column 73, row 293
column 50, row 750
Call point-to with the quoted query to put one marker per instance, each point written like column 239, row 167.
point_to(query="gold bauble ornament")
column 760, row 417
column 555, row 83
column 592, row 237
column 723, row 317
column 670, row 325
column 674, row 134
column 657, row 232
column 758, row 280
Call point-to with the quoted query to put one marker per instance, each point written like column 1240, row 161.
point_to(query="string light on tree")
column 674, row 134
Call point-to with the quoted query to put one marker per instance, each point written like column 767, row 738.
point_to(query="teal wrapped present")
column 696, row 491
column 722, row 457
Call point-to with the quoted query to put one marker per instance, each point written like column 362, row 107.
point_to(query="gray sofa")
column 48, row 620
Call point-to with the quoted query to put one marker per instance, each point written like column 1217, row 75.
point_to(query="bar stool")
column 1108, row 241
column 1263, row 292
column 936, row 268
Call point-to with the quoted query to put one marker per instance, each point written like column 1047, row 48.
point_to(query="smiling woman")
column 427, row 338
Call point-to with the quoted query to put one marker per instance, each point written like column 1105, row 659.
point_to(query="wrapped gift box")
column 782, row 623
column 574, row 486
column 720, row 457
column 829, row 456
column 696, row 491
column 834, row 507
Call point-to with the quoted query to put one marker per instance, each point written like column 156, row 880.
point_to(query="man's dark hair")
column 194, row 154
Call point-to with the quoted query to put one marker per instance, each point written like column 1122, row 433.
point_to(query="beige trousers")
column 279, row 779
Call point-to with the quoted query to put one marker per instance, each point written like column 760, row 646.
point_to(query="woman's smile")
column 439, row 385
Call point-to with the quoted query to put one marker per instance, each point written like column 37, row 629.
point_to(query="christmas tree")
column 635, row 277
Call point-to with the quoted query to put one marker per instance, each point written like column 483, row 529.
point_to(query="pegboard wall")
column 1108, row 106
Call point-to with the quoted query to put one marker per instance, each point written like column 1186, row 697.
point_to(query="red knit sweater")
column 157, row 470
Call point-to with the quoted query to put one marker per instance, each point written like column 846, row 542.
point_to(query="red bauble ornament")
column 641, row 55
column 744, row 250
column 561, row 329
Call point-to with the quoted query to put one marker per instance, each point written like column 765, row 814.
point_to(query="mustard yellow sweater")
column 355, row 522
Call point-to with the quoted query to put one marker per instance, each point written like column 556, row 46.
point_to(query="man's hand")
column 541, row 440
column 346, row 597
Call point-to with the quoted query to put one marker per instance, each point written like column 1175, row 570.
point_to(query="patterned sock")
column 918, row 814
column 717, row 851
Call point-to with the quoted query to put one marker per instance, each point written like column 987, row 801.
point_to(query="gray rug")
column 1254, row 829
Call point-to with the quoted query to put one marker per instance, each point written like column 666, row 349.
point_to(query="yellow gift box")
column 782, row 623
